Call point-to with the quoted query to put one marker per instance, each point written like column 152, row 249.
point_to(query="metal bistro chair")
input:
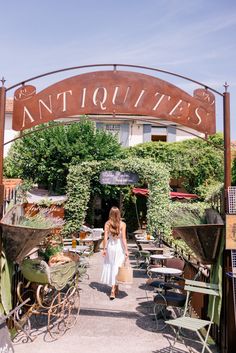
column 175, row 262
column 142, row 258
column 192, row 323
column 171, row 294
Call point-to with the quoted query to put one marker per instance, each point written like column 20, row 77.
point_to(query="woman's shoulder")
column 123, row 224
column 107, row 224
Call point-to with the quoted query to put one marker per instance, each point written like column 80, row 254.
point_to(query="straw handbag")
column 125, row 273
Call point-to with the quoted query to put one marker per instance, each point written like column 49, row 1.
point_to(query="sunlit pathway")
column 122, row 325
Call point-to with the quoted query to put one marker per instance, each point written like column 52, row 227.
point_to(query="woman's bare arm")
column 106, row 229
column 124, row 240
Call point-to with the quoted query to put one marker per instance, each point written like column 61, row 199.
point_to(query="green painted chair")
column 194, row 324
column 142, row 258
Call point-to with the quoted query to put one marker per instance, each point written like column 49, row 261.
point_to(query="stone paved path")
column 124, row 325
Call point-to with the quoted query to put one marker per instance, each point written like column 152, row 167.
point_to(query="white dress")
column 115, row 257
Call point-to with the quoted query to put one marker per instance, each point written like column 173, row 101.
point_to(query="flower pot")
column 203, row 239
column 19, row 240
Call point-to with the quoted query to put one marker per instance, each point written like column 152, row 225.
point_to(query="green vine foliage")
column 154, row 174
column 45, row 155
column 234, row 172
column 194, row 160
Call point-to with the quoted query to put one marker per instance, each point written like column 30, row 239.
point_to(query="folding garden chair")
column 170, row 294
column 194, row 324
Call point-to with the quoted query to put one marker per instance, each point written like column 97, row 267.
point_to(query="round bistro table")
column 166, row 271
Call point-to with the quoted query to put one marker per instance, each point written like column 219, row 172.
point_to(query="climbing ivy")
column 154, row 174
column 193, row 160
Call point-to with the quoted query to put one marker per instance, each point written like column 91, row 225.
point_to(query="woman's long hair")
column 114, row 221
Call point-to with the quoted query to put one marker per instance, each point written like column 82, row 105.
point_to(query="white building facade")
column 130, row 130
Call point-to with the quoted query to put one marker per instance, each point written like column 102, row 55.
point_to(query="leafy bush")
column 234, row 172
column 194, row 160
column 79, row 187
column 183, row 214
column 210, row 189
column 45, row 156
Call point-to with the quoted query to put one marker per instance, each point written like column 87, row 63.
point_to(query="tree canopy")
column 45, row 156
column 197, row 161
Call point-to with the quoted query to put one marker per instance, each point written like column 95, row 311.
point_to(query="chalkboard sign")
column 118, row 178
column 5, row 341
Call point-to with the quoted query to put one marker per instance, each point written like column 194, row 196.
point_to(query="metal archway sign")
column 120, row 92
column 114, row 92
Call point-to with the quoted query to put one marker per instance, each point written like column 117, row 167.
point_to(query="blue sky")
column 192, row 38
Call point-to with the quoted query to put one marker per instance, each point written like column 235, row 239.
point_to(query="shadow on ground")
column 169, row 350
column 103, row 288
column 109, row 313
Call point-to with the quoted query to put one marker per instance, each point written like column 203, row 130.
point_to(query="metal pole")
column 2, row 128
column 225, row 342
column 227, row 144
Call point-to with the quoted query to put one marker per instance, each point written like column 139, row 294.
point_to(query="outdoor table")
column 161, row 257
column 151, row 248
column 166, row 271
column 142, row 237
column 79, row 248
column 144, row 241
column 95, row 241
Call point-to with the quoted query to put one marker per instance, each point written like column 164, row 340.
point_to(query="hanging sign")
column 118, row 178
column 114, row 92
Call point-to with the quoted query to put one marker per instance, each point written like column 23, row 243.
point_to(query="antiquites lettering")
column 106, row 92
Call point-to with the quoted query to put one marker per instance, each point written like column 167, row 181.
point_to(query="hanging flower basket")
column 203, row 239
column 19, row 240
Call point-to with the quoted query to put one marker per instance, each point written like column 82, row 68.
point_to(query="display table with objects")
column 79, row 249
column 92, row 237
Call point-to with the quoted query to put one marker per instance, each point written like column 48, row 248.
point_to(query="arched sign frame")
column 179, row 103
column 176, row 106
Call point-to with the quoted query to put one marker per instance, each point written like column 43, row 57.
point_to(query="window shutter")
column 124, row 135
column 147, row 128
column 171, row 133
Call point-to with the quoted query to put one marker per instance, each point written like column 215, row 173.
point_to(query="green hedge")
column 154, row 174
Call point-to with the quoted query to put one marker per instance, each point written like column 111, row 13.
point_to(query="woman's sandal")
column 112, row 295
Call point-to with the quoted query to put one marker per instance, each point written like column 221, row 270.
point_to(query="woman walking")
column 114, row 249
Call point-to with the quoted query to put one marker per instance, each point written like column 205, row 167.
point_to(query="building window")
column 158, row 138
column 158, row 134
column 114, row 129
